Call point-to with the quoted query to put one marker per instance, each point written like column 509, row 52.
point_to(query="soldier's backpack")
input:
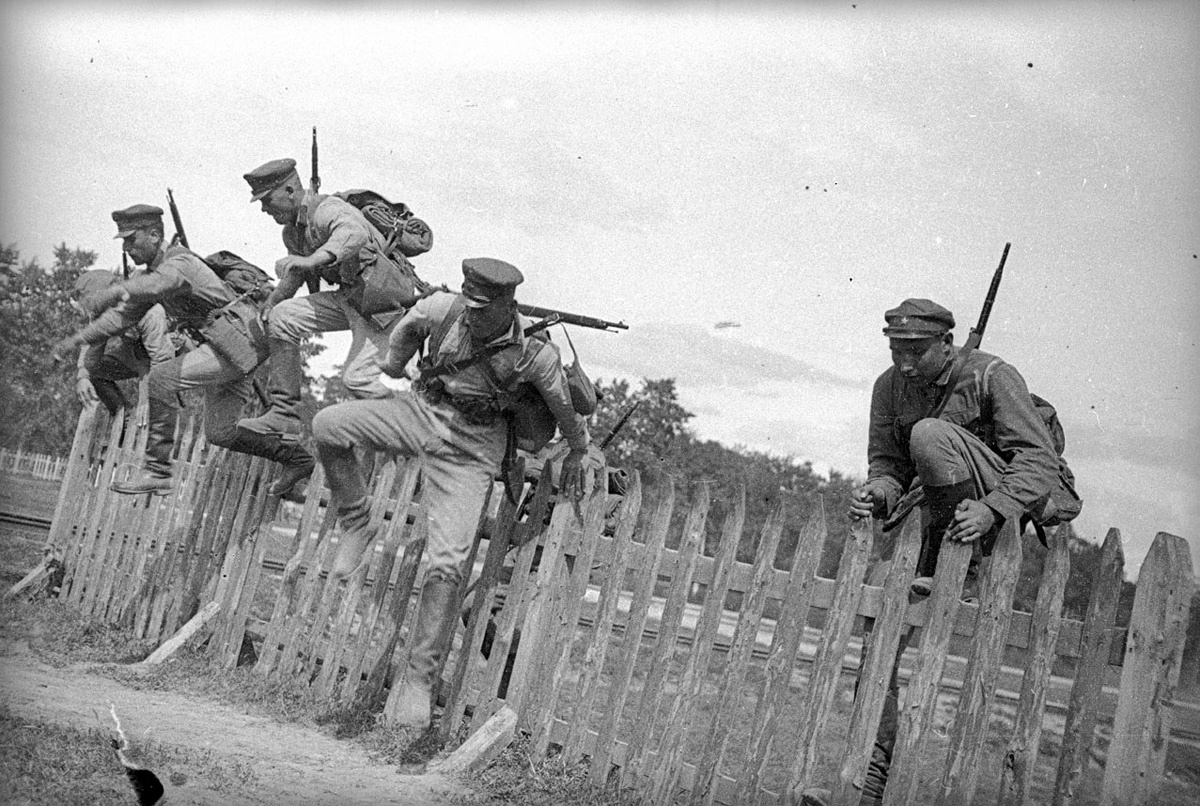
column 242, row 276
column 1058, row 437
column 387, row 282
column 402, row 231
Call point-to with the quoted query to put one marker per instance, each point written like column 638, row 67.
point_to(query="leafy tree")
column 38, row 409
column 656, row 440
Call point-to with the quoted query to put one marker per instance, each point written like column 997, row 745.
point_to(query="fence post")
column 1089, row 678
column 967, row 736
column 1016, row 780
column 1142, row 724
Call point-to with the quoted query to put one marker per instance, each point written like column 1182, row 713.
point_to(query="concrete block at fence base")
column 193, row 632
column 482, row 746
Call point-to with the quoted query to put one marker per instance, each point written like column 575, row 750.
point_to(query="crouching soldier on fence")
column 328, row 239
column 231, row 344
column 129, row 354
column 456, row 417
column 962, row 424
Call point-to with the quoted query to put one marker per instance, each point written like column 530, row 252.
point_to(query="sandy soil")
column 212, row 753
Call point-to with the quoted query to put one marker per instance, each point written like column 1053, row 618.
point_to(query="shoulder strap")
column 439, row 333
column 960, row 362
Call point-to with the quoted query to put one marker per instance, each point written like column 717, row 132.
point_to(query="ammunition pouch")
column 476, row 411
column 235, row 334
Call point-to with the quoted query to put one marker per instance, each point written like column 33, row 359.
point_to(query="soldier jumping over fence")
column 231, row 344
column 964, row 423
column 129, row 354
column 455, row 417
column 327, row 238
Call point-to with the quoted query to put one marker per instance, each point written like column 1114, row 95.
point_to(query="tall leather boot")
column 297, row 462
column 357, row 534
column 346, row 486
column 942, row 501
column 155, row 475
column 110, row 395
column 284, row 383
column 429, row 638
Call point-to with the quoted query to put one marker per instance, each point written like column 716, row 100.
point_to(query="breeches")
column 328, row 311
column 460, row 461
column 226, row 392
column 945, row 454
column 115, row 362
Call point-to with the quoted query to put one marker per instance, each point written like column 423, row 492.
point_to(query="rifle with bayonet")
column 180, row 235
column 314, row 185
column 916, row 494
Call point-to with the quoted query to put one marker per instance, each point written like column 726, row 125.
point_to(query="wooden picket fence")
column 598, row 646
column 38, row 465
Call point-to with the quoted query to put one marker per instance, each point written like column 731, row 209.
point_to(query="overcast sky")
column 792, row 169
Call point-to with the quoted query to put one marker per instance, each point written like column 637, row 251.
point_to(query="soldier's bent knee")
column 282, row 322
column 327, row 430
column 926, row 435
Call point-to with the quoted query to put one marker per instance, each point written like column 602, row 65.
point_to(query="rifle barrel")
column 178, row 219
column 571, row 318
column 976, row 335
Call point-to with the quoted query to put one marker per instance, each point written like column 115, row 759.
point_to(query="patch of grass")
column 59, row 635
column 517, row 777
column 50, row 764
column 57, row 765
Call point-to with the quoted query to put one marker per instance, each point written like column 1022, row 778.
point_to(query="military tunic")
column 989, row 431
column 329, row 224
column 189, row 291
column 462, row 453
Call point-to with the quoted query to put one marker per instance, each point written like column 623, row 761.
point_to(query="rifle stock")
column 916, row 494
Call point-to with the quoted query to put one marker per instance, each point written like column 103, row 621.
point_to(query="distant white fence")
column 38, row 465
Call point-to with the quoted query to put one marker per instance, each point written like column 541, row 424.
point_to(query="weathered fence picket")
column 592, row 641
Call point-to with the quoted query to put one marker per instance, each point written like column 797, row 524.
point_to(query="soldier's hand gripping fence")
column 916, row 494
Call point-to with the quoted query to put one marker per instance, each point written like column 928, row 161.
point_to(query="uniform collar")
column 310, row 199
column 948, row 370
column 158, row 258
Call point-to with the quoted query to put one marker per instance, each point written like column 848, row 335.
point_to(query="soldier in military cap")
column 455, row 417
column 230, row 346
column 127, row 355
column 986, row 460
column 327, row 239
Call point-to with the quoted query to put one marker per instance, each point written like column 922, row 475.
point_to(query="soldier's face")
column 920, row 359
column 279, row 205
column 141, row 245
column 490, row 321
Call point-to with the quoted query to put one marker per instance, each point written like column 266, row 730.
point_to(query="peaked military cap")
column 137, row 217
column 486, row 280
column 917, row 319
column 268, row 176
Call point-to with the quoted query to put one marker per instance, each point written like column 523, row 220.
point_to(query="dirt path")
column 212, row 753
